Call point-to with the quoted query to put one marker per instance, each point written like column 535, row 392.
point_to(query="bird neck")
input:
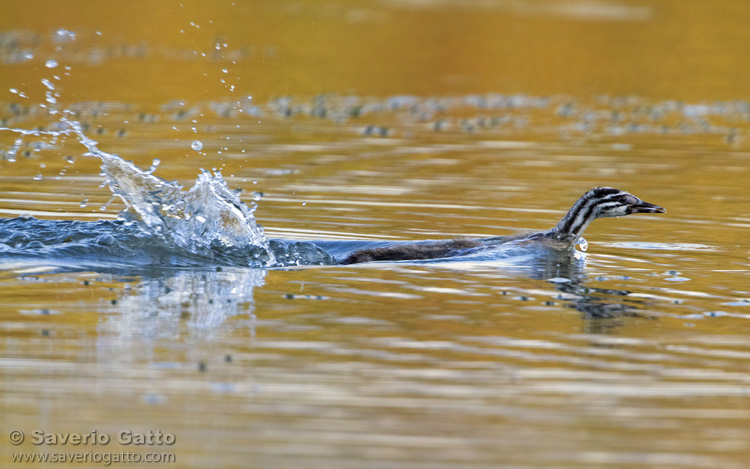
column 575, row 222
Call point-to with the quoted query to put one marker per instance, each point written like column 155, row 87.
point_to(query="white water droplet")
column 63, row 35
column 197, row 145
column 14, row 90
column 154, row 165
column 10, row 155
column 50, row 63
column 583, row 244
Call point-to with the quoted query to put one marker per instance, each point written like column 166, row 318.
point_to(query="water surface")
column 379, row 122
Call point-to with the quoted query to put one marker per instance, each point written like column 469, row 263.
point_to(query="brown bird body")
column 412, row 251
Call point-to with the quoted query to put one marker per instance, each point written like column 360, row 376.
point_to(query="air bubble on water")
column 582, row 243
column 14, row 90
column 28, row 55
column 84, row 202
column 225, row 70
column 50, row 63
column 256, row 196
column 70, row 159
column 304, row 203
column 50, row 86
column 38, row 177
column 197, row 145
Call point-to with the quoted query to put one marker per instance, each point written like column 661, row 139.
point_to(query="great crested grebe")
column 600, row 202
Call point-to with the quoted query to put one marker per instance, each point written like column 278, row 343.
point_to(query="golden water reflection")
column 386, row 120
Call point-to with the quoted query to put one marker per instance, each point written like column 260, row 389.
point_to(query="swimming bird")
column 599, row 202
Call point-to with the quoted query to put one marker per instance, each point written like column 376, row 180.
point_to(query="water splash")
column 207, row 216
column 206, row 225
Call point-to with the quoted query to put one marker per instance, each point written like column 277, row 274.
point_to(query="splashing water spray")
column 207, row 216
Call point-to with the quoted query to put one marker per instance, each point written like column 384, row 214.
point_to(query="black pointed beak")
column 645, row 207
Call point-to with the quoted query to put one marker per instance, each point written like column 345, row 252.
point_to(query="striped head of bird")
column 600, row 202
